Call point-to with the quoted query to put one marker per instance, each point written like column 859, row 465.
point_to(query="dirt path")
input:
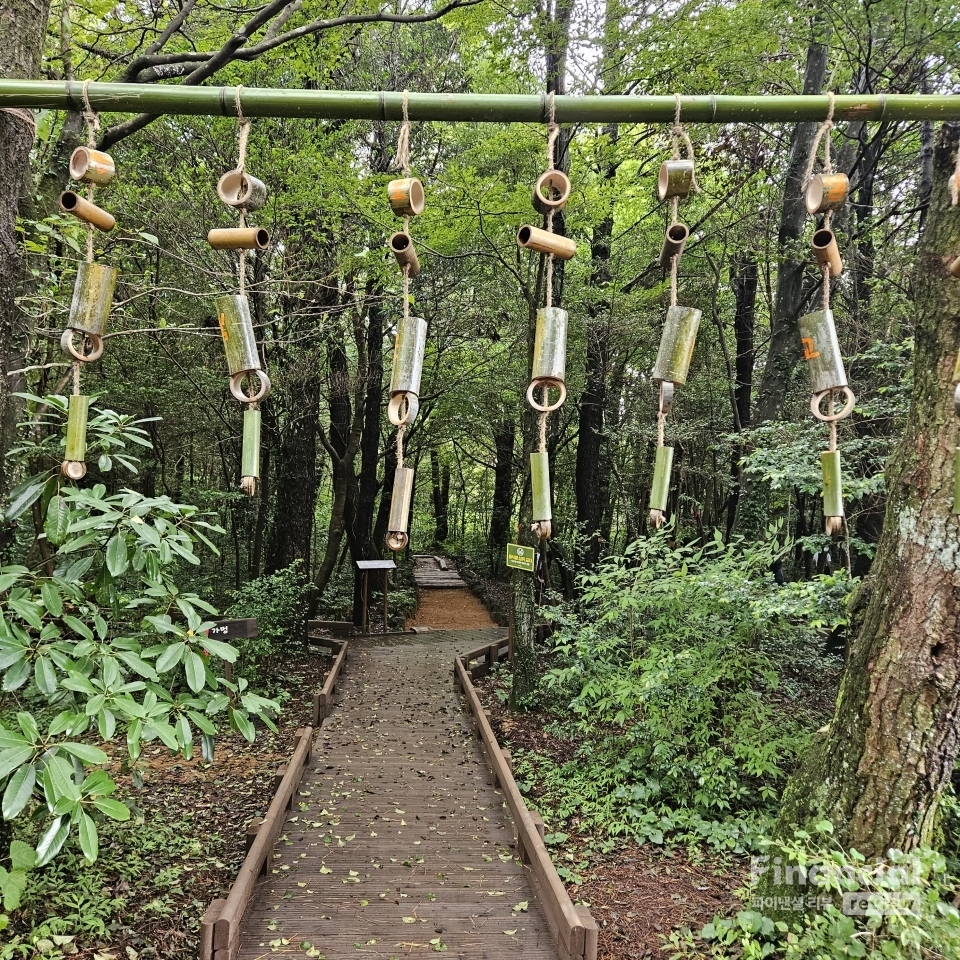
column 450, row 609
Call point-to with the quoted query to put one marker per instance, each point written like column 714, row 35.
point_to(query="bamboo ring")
column 396, row 541
column 236, row 386
column 845, row 411
column 543, row 529
column 956, row 400
column 96, row 345
column 546, row 383
column 666, row 396
column 403, row 408
column 551, row 192
column 73, row 469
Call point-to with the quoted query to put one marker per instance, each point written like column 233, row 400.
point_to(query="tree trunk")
column 880, row 771
column 23, row 24
column 295, row 480
column 783, row 353
column 504, row 437
column 440, row 487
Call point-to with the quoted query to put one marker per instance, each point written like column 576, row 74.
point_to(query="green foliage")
column 277, row 600
column 100, row 640
column 669, row 675
column 901, row 907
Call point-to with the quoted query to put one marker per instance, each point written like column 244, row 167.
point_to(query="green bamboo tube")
column 660, row 488
column 214, row 101
column 92, row 298
column 397, row 537
column 956, row 482
column 236, row 328
column 832, row 483
column 821, row 350
column 77, row 412
column 677, row 341
column 540, row 486
column 250, row 459
column 675, row 178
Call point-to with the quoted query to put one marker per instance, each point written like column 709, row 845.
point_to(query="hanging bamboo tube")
column 821, row 350
column 675, row 179
column 551, row 192
column 533, row 238
column 93, row 166
column 826, row 191
column 827, row 252
column 540, row 488
column 549, row 358
column 78, row 410
column 250, row 457
column 239, row 238
column 660, row 488
column 240, row 190
column 239, row 338
column 673, row 242
column 832, row 492
column 86, row 211
column 397, row 537
column 408, row 352
column 406, row 197
column 401, row 244
column 677, row 341
column 92, row 298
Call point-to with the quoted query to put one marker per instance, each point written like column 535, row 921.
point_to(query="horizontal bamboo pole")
column 466, row 107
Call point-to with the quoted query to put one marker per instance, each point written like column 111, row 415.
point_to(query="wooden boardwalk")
column 428, row 574
column 397, row 843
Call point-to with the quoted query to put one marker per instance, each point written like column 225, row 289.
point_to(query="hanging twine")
column 93, row 125
column 674, row 268
column 243, row 138
column 824, row 131
column 661, row 427
column 554, row 132
column 679, row 133
column 402, row 158
column 400, row 431
column 955, row 182
column 76, row 378
column 25, row 115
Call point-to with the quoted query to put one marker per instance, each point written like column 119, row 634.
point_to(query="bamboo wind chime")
column 550, row 195
column 93, row 291
column 825, row 193
column 244, row 193
column 679, row 336
column 407, row 200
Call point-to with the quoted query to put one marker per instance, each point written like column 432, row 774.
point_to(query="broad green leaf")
column 57, row 520
column 116, row 554
column 24, row 495
column 18, row 792
column 89, row 842
column 45, row 676
column 113, row 809
column 22, row 855
column 12, row 885
column 78, row 626
column 220, row 649
column 17, row 675
column 84, row 752
column 195, row 672
column 52, row 840
column 171, row 657
column 51, row 599
column 11, row 759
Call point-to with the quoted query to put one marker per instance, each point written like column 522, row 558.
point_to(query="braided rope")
column 679, row 132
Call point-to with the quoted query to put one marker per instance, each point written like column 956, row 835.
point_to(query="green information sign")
column 520, row 558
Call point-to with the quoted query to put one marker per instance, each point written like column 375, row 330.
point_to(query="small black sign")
column 233, row 629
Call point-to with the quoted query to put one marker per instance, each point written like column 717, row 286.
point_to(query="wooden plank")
column 226, row 930
column 553, row 894
column 591, row 933
column 206, row 928
column 334, row 673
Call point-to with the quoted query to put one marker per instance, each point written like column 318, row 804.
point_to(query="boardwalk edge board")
column 220, row 927
column 573, row 928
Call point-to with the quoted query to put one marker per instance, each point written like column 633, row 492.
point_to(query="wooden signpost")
column 233, row 630
column 365, row 566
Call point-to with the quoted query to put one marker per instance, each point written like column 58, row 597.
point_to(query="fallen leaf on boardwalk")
column 325, row 869
column 521, row 906
column 509, row 933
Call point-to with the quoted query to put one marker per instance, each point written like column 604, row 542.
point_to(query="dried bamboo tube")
column 406, row 196
column 533, row 238
column 75, row 205
column 826, row 191
column 673, row 243
column 827, row 252
column 402, row 247
column 675, row 179
column 239, row 238
column 238, row 189
column 93, row 166
column 551, row 192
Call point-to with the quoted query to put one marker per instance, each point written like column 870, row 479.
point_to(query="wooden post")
column 366, row 600
column 386, row 590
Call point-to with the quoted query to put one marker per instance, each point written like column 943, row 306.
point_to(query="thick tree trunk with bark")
column 504, row 437
column 880, row 771
column 22, row 27
column 440, row 489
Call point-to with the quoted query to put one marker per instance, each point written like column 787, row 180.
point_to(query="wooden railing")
column 220, row 928
column 573, row 929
